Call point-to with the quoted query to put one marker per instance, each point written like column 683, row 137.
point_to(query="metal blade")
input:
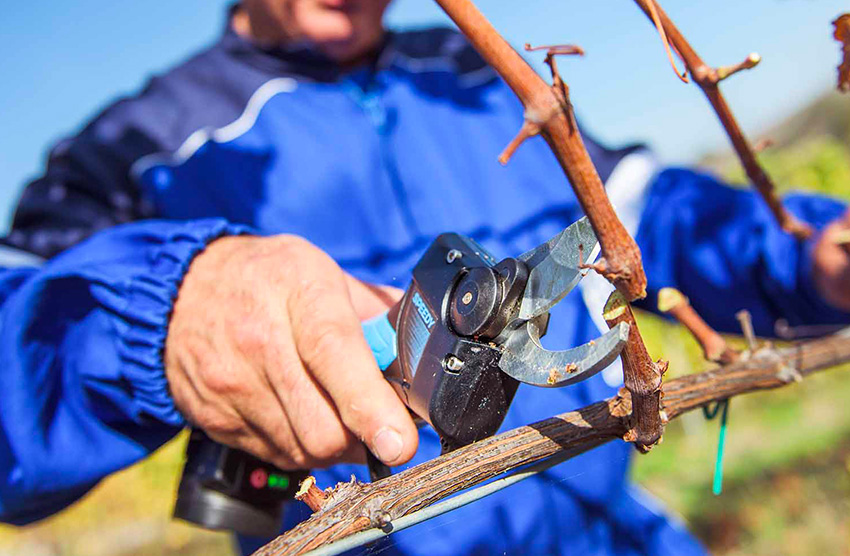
column 527, row 361
column 554, row 268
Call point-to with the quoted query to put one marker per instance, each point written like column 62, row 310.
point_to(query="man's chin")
column 336, row 36
column 343, row 44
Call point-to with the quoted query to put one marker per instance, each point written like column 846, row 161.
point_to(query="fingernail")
column 388, row 445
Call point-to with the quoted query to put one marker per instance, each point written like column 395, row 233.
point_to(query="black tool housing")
column 228, row 489
column 447, row 370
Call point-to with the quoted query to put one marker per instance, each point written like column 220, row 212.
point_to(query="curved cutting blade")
column 527, row 361
column 554, row 268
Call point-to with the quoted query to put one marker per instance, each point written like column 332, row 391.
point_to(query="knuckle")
column 196, row 355
column 298, row 458
column 287, row 376
column 265, row 261
column 323, row 343
column 306, row 408
column 250, row 336
column 221, row 382
column 258, row 448
column 287, row 449
column 328, row 338
column 327, row 446
column 216, row 423
column 293, row 243
column 311, row 294
column 297, row 251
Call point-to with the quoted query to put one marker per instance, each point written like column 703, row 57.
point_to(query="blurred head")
column 344, row 30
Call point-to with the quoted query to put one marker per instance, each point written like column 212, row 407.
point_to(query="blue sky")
column 61, row 61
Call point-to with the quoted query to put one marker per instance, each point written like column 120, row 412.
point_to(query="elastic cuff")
column 151, row 300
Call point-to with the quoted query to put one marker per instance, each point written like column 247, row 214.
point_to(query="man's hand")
column 265, row 353
column 832, row 263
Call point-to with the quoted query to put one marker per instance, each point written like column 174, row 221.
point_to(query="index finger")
column 330, row 342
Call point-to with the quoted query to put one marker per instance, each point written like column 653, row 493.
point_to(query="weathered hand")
column 265, row 353
column 832, row 263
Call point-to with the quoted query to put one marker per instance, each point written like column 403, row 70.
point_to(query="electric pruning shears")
column 467, row 331
column 455, row 348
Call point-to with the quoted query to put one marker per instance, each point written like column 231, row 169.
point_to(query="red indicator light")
column 258, row 478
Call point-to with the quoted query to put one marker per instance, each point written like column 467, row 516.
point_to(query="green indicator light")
column 278, row 481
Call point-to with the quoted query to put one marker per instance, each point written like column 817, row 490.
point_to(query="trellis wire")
column 453, row 503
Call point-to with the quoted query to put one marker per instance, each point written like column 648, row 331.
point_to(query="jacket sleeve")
column 82, row 387
column 723, row 249
column 87, row 283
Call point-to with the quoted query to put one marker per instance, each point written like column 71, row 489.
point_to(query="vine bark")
column 641, row 376
column 352, row 507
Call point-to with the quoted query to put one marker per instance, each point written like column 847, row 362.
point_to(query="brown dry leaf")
column 842, row 34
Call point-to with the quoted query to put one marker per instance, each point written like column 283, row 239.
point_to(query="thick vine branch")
column 641, row 377
column 548, row 112
column 352, row 507
column 708, row 79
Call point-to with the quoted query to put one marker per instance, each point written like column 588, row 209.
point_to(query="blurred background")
column 787, row 484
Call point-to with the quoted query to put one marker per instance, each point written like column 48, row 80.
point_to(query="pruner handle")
column 382, row 338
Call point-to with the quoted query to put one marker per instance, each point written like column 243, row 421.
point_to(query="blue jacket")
column 370, row 166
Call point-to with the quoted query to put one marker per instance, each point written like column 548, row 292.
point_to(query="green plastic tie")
column 717, row 486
